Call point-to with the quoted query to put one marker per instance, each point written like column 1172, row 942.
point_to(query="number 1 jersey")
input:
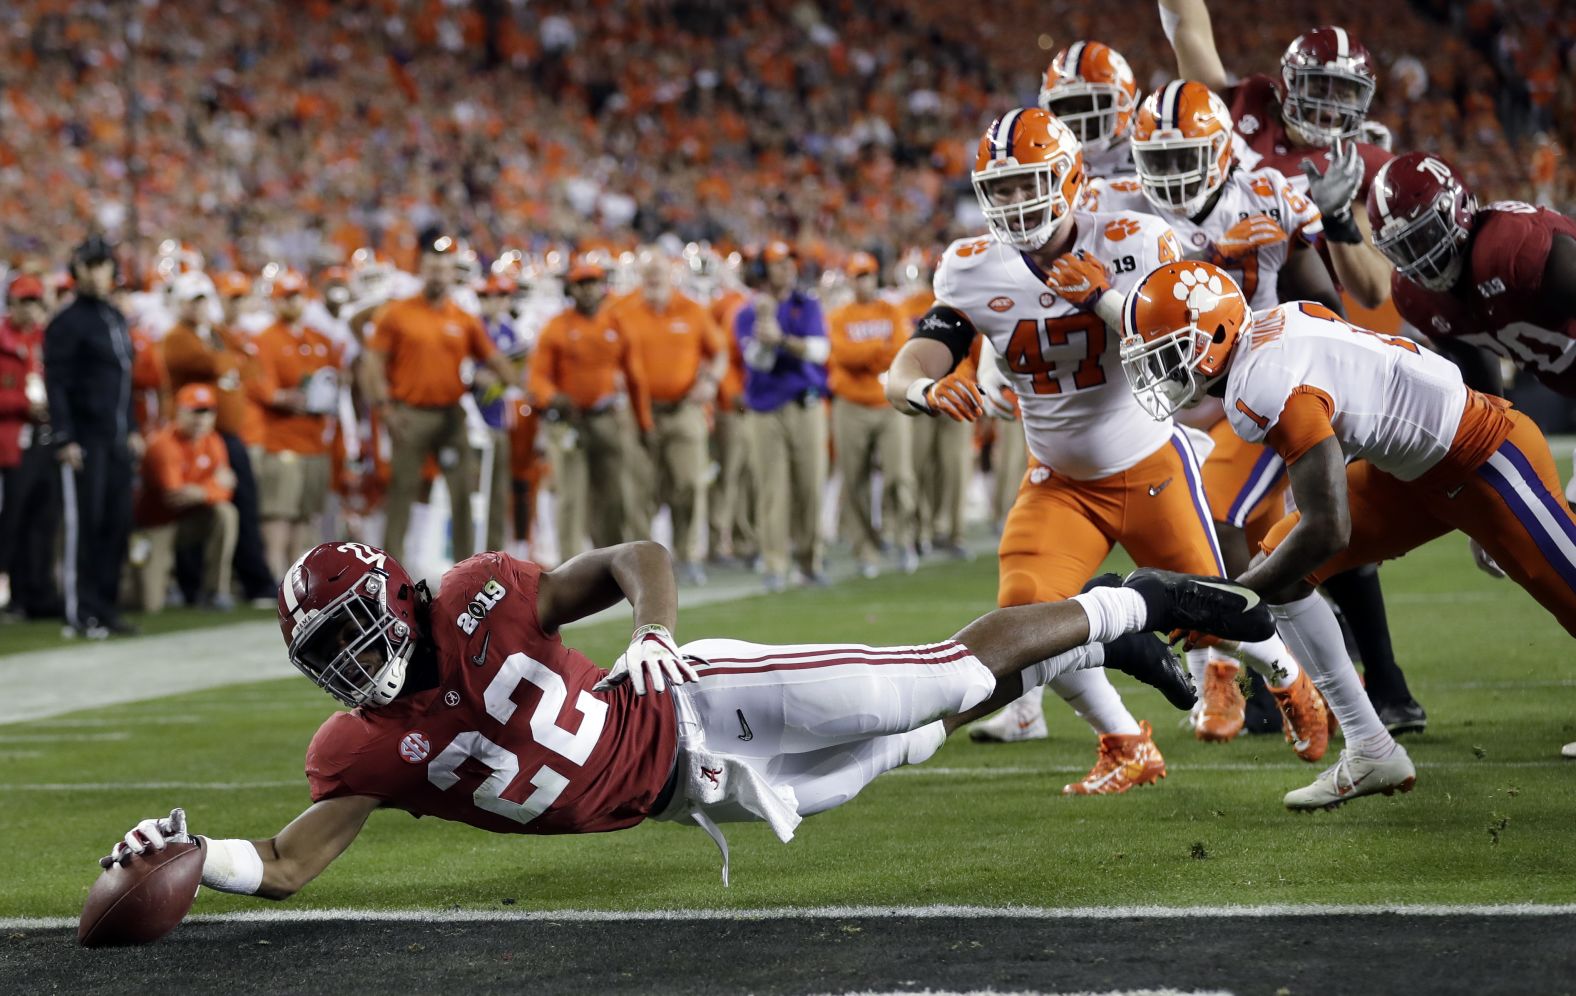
column 512, row 739
column 1079, row 415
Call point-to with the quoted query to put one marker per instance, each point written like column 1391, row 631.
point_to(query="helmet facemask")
column 1164, row 372
column 1178, row 175
column 1024, row 204
column 1428, row 249
column 1091, row 110
column 355, row 648
column 1324, row 104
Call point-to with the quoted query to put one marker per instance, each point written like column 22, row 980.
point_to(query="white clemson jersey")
column 1111, row 164
column 1078, row 411
column 1246, row 193
column 1392, row 404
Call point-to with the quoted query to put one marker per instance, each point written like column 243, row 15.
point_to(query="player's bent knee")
column 1017, row 588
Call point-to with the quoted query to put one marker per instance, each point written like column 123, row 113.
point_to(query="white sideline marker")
column 837, row 913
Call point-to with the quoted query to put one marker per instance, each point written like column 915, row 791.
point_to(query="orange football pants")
column 1513, row 505
column 1060, row 530
column 1245, row 483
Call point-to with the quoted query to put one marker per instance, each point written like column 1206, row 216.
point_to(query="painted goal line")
column 837, row 913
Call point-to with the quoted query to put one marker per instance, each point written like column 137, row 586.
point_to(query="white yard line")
column 840, row 913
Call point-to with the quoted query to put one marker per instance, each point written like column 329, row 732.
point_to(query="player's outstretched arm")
column 1318, row 482
column 639, row 572
column 1192, row 37
column 1304, row 278
column 276, row 868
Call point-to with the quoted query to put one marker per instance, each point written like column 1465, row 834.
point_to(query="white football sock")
column 1269, row 658
column 1094, row 700
column 1112, row 612
column 1076, row 659
column 1197, row 662
column 1314, row 637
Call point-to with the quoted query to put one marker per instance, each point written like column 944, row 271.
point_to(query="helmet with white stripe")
column 1182, row 146
column 1028, row 174
column 348, row 615
column 1421, row 212
column 1329, row 82
column 1091, row 89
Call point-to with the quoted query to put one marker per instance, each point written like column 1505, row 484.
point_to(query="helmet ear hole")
column 1220, row 334
column 404, row 592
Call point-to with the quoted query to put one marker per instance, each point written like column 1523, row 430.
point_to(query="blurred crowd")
column 299, row 132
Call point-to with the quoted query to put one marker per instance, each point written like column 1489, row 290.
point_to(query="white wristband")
column 915, row 395
column 1109, row 308
column 231, row 866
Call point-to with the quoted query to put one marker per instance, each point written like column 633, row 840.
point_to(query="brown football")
column 142, row 900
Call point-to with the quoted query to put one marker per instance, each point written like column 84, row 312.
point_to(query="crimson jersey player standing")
column 467, row 706
column 1308, row 124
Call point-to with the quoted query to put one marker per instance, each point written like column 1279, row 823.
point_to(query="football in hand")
column 142, row 899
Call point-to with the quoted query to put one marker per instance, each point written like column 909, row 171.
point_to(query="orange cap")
column 585, row 271
column 861, row 263
column 233, row 283
column 289, row 282
column 194, row 396
column 497, row 283
column 26, row 288
column 775, row 250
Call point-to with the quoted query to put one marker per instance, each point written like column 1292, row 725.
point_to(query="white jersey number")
column 443, row 770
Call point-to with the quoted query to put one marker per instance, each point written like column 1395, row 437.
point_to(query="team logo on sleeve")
column 478, row 607
column 1047, row 299
column 414, row 747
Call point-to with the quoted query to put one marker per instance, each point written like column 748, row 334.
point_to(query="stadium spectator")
column 685, row 357
column 185, row 501
column 580, row 358
column 29, row 514
column 867, row 433
column 413, row 377
column 196, row 351
column 297, row 385
column 88, row 375
column 495, row 297
column 731, row 500
column 782, row 335
column 941, row 447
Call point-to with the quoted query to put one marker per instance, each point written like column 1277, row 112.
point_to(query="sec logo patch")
column 415, row 747
column 1000, row 304
column 451, row 698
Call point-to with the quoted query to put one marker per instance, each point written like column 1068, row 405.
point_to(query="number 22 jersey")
column 1079, row 415
column 511, row 739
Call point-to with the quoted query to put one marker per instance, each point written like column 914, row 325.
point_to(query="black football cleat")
column 1190, row 602
column 1403, row 716
column 1147, row 657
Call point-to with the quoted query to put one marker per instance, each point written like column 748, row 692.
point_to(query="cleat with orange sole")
column 1221, row 715
column 1125, row 760
column 1305, row 719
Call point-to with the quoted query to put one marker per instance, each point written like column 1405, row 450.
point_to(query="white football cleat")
column 1569, row 751
column 1023, row 719
column 1353, row 775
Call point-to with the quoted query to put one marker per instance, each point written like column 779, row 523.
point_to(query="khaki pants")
column 789, row 455
column 591, row 479
column 866, row 438
column 416, row 433
column 215, row 527
column 1009, row 461
column 731, row 503
column 498, row 490
column 678, row 456
column 941, row 466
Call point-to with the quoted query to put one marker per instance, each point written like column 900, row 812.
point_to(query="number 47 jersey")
column 1079, row 415
column 511, row 739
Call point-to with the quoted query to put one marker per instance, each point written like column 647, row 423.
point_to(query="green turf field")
column 1489, row 822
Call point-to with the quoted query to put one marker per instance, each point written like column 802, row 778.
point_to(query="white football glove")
column 150, row 834
column 1484, row 562
column 1001, row 401
column 651, row 660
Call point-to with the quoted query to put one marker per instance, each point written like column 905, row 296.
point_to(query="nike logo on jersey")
column 1454, row 491
column 480, row 658
column 745, row 733
column 1155, row 489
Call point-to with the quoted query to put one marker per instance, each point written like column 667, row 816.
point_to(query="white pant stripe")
column 68, row 566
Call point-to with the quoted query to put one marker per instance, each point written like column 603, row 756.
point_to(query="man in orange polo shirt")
column 941, row 447
column 867, row 432
column 187, row 484
column 413, row 375
column 731, row 503
column 580, row 358
column 684, row 357
column 297, row 384
column 198, row 352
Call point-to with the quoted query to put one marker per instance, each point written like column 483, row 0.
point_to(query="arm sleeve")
column 265, row 383
column 382, row 338
column 542, row 381
column 185, row 358
column 221, row 460
column 1304, row 423
column 60, row 368
column 1299, row 216
column 635, row 380
column 950, row 327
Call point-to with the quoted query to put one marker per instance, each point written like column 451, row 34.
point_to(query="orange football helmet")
column 1179, row 327
column 1091, row 89
column 1182, row 146
column 1027, row 175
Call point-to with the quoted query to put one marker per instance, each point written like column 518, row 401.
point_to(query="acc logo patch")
column 1121, row 228
column 1047, row 299
column 414, row 747
column 1000, row 304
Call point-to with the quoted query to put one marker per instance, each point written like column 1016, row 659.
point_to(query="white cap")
column 192, row 285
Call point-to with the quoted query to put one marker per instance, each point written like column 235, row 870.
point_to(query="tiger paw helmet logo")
column 1201, row 290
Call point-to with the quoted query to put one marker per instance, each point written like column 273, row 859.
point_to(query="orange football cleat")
column 1220, row 712
column 1126, row 760
column 1306, row 721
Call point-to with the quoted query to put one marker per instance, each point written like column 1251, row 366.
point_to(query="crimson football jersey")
column 512, row 739
column 1498, row 303
column 1256, row 112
